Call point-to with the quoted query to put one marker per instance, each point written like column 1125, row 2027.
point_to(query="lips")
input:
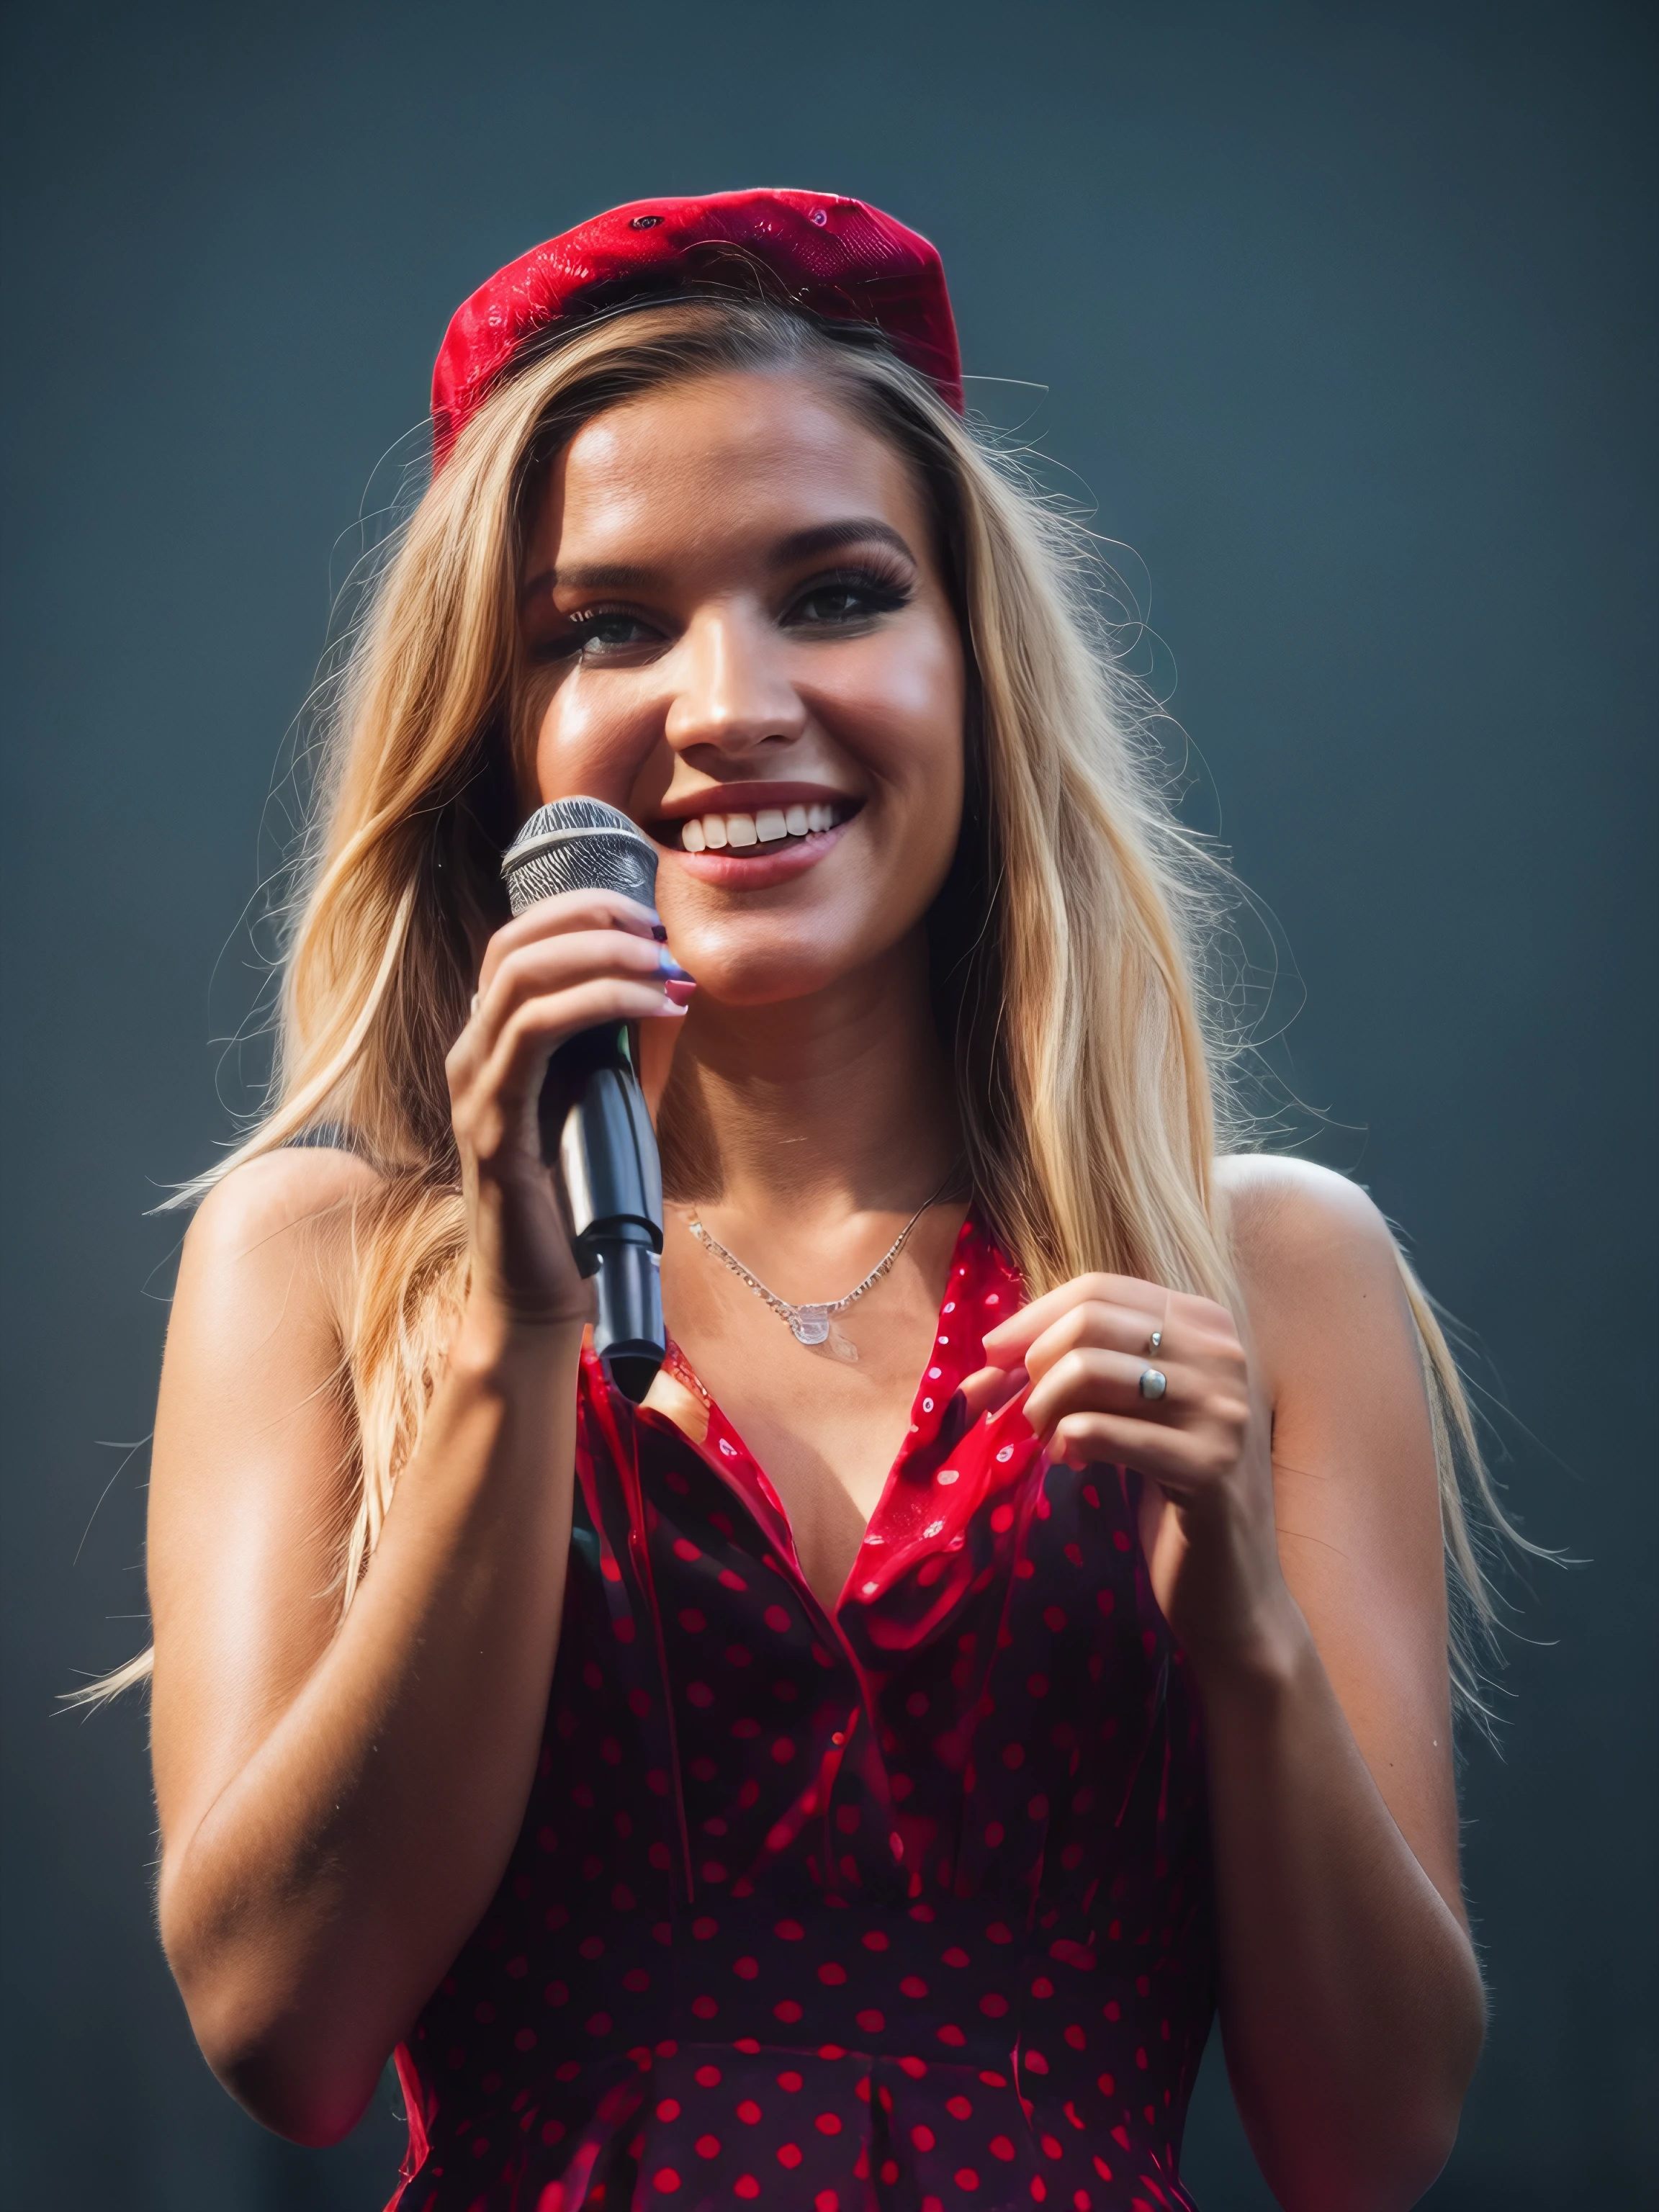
column 760, row 835
column 763, row 836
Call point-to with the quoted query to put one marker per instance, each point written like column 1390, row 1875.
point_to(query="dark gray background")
column 1346, row 319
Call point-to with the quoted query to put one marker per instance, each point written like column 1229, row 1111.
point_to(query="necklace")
column 810, row 1323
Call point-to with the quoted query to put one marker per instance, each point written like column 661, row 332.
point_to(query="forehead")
column 682, row 469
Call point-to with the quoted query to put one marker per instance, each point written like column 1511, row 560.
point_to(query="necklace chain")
column 811, row 1323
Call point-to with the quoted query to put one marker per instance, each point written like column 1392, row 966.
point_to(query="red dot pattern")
column 899, row 1910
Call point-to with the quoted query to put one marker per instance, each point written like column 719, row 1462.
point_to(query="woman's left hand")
column 1207, row 1524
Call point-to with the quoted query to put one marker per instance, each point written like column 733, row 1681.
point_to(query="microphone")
column 594, row 1119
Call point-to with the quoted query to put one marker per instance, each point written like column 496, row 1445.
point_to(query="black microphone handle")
column 596, row 1129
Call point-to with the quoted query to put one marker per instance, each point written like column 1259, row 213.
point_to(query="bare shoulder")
column 303, row 1190
column 1355, row 1480
column 1316, row 1261
column 249, row 1418
column 251, row 1468
column 283, row 1222
column 1288, row 1218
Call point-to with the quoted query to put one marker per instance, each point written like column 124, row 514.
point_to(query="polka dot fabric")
column 905, row 1909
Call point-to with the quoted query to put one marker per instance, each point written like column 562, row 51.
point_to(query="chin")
column 768, row 979
column 769, row 963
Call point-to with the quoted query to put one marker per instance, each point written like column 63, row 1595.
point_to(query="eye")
column 603, row 634
column 855, row 596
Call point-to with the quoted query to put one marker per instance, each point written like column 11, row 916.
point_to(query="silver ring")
column 1154, row 1339
column 1153, row 1385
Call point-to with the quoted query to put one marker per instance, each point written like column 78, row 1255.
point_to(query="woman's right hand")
column 566, row 964
column 339, row 1798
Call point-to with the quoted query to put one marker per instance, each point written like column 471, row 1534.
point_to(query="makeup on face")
column 735, row 631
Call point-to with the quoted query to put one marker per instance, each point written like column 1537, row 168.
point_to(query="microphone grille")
column 578, row 845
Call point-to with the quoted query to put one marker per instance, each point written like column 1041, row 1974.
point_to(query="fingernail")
column 670, row 968
column 679, row 994
column 659, row 932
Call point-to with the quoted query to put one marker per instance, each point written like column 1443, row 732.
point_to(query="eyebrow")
column 829, row 536
column 800, row 545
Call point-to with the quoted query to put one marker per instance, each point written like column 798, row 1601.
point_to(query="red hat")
column 836, row 257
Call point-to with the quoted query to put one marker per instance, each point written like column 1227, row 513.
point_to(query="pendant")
column 811, row 1324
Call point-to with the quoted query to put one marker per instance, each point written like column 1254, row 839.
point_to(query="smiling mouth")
column 766, row 830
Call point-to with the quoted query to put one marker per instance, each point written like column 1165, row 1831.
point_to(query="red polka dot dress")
column 905, row 1909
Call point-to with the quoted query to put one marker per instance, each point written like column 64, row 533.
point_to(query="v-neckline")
column 935, row 1392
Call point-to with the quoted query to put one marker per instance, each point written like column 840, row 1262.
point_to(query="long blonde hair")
column 1093, row 1044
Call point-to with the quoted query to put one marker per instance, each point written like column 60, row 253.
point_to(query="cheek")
column 582, row 748
column 914, row 716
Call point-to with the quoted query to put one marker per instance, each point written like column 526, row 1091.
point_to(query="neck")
column 836, row 1104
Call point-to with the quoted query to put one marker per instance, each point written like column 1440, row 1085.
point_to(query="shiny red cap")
column 836, row 257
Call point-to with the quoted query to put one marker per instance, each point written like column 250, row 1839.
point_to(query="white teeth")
column 712, row 833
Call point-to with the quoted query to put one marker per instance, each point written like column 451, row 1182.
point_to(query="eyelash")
column 884, row 590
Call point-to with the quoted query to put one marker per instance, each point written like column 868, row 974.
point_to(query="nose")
column 735, row 694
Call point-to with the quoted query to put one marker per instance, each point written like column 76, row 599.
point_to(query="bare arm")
column 1292, row 1526
column 1352, row 2011
column 339, row 1798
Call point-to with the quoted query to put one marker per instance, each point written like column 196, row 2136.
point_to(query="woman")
column 920, row 1760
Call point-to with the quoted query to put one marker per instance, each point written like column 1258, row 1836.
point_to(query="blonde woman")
column 851, row 1778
